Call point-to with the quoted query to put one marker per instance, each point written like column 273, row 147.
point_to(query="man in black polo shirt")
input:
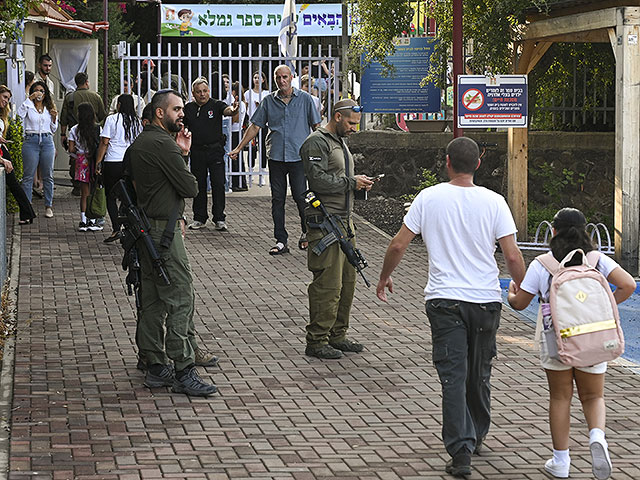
column 203, row 117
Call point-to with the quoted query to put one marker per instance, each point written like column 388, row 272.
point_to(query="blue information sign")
column 401, row 92
column 499, row 101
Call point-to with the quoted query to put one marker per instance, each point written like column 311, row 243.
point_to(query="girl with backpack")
column 83, row 143
column 569, row 233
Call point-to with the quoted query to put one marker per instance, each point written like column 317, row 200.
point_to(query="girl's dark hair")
column 47, row 101
column 87, row 131
column 570, row 225
column 130, row 119
column 263, row 79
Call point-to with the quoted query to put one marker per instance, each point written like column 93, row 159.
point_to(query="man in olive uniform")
column 82, row 94
column 162, row 181
column 69, row 115
column 329, row 168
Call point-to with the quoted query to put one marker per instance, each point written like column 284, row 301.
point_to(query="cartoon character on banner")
column 185, row 15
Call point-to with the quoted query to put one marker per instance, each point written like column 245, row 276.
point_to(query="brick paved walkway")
column 80, row 410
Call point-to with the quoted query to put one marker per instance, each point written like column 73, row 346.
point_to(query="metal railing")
column 544, row 232
column 189, row 61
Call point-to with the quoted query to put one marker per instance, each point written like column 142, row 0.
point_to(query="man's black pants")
column 208, row 161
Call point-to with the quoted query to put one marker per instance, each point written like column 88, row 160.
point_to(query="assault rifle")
column 136, row 227
column 335, row 234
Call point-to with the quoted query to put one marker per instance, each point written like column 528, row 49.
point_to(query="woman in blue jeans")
column 39, row 120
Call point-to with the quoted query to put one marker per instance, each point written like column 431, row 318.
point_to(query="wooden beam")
column 592, row 36
column 538, row 53
column 582, row 22
column 613, row 38
column 627, row 175
column 521, row 62
column 531, row 54
column 517, row 165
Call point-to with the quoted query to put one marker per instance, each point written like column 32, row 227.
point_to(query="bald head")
column 283, row 68
column 282, row 77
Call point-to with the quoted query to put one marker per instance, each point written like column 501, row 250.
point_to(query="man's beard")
column 173, row 127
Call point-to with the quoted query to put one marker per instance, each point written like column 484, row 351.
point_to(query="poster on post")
column 244, row 20
column 488, row 102
column 402, row 91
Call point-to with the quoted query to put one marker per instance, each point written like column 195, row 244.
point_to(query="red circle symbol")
column 472, row 99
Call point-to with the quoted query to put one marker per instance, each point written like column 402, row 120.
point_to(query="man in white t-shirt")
column 460, row 223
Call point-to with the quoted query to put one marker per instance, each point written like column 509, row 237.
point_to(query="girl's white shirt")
column 35, row 122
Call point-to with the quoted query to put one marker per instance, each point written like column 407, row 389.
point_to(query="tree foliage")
column 379, row 22
column 581, row 75
column 11, row 14
column 491, row 27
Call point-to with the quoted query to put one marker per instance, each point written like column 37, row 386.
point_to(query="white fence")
column 190, row 61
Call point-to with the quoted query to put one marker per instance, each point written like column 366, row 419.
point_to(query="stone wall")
column 565, row 169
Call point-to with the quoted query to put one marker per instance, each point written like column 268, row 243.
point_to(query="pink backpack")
column 586, row 323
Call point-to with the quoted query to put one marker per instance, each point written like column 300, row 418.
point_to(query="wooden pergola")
column 602, row 21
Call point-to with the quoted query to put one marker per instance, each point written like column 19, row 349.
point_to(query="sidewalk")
column 80, row 410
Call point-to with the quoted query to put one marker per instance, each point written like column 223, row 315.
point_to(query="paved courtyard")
column 80, row 410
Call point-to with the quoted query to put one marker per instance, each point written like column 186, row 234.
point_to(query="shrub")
column 15, row 134
column 427, row 179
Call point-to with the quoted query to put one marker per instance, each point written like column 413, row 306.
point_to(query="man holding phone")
column 329, row 168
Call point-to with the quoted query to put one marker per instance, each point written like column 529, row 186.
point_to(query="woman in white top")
column 252, row 99
column 238, row 165
column 26, row 210
column 569, row 233
column 39, row 121
column 119, row 131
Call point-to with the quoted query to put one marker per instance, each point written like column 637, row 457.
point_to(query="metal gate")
column 215, row 61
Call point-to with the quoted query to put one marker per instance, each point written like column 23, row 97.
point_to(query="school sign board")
column 487, row 102
column 262, row 20
column 402, row 91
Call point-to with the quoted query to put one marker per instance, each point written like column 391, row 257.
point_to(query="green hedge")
column 15, row 134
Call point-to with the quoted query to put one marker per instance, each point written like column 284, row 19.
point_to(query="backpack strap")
column 548, row 261
column 593, row 257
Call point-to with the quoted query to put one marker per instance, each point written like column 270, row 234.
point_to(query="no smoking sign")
column 472, row 99
column 491, row 102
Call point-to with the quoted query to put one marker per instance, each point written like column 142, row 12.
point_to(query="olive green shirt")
column 69, row 117
column 160, row 173
column 322, row 155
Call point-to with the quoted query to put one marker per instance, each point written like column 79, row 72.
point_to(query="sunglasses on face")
column 355, row 108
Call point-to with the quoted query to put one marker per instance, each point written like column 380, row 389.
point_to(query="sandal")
column 278, row 249
column 303, row 243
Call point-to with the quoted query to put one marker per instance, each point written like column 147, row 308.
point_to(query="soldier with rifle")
column 329, row 168
column 162, row 182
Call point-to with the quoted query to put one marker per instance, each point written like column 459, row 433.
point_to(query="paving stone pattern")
column 80, row 410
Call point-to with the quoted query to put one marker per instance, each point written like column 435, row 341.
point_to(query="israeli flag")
column 288, row 38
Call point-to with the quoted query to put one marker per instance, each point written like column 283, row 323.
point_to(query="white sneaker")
column 197, row 225
column 558, row 470
column 221, row 226
column 82, row 227
column 94, row 227
column 48, row 212
column 600, row 460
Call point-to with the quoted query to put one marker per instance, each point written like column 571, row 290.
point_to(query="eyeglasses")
column 39, row 90
column 355, row 108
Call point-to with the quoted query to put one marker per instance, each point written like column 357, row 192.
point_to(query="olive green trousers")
column 165, row 327
column 330, row 292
